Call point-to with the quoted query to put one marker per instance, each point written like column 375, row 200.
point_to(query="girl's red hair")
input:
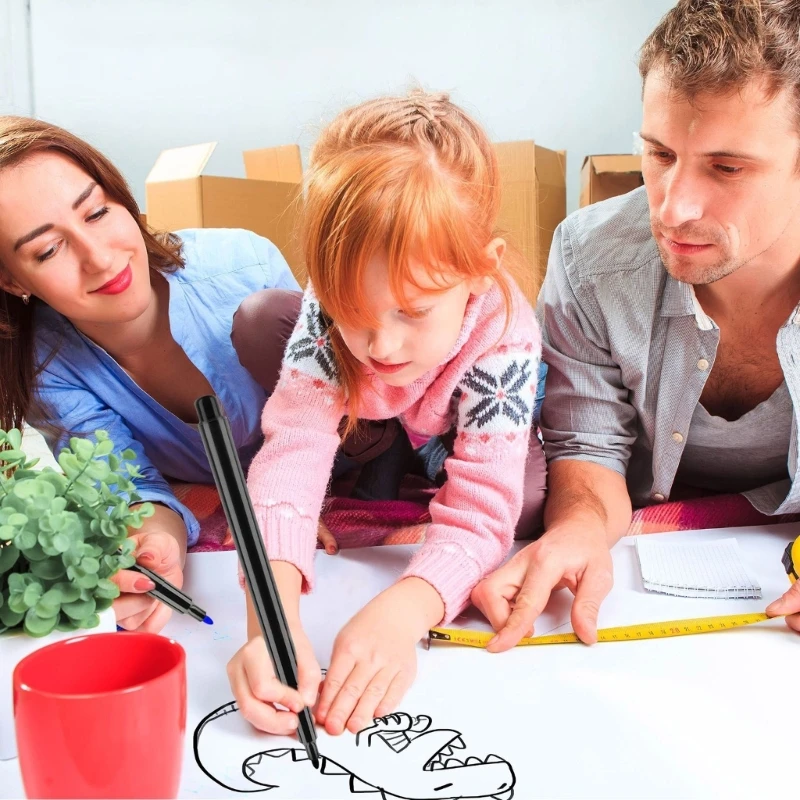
column 414, row 177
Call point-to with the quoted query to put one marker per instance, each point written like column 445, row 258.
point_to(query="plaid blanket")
column 359, row 523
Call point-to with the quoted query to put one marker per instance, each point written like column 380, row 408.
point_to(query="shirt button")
column 658, row 497
column 702, row 364
column 677, row 437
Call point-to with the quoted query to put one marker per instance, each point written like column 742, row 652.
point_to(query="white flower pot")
column 13, row 648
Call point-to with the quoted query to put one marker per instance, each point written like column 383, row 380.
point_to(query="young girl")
column 409, row 313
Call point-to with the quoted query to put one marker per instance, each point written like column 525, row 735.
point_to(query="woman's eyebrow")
column 29, row 237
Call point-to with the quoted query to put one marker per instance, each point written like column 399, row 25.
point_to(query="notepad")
column 706, row 569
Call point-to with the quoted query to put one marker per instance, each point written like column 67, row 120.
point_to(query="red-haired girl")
column 410, row 312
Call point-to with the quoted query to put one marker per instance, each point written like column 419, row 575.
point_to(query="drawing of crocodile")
column 398, row 756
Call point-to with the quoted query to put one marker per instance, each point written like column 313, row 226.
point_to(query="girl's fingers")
column 341, row 666
column 327, row 539
column 395, row 693
column 259, row 714
column 374, row 694
column 347, row 697
column 264, row 686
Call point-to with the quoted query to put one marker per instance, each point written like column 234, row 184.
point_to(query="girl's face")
column 64, row 241
column 405, row 346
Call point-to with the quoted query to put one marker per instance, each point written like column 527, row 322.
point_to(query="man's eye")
column 726, row 169
column 660, row 155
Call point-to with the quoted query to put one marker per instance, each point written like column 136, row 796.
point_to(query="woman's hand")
column 252, row 676
column 161, row 547
column 374, row 657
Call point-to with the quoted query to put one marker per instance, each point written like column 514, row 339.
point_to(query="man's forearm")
column 584, row 493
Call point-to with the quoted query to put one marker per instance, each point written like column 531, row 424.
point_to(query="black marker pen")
column 172, row 596
column 227, row 469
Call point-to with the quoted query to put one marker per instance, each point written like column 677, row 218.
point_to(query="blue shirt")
column 85, row 389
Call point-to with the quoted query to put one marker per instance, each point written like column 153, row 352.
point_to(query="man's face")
column 721, row 179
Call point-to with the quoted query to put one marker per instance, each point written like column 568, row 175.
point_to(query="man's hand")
column 788, row 604
column 514, row 596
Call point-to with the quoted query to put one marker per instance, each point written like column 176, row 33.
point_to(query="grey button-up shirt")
column 629, row 351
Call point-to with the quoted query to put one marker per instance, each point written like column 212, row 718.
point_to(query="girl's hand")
column 161, row 547
column 374, row 657
column 252, row 675
column 327, row 539
column 257, row 690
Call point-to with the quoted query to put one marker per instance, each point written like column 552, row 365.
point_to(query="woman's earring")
column 26, row 298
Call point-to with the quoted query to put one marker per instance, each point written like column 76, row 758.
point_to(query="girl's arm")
column 474, row 514
column 289, row 475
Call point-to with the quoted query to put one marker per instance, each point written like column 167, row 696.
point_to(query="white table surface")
column 694, row 716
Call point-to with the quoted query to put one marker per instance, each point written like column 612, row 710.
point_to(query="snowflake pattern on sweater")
column 498, row 393
column 486, row 388
column 309, row 348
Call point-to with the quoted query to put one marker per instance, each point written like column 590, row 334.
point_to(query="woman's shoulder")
column 213, row 253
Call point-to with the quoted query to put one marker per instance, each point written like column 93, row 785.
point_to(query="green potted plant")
column 63, row 535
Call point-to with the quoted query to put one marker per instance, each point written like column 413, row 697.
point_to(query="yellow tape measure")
column 630, row 633
column 625, row 633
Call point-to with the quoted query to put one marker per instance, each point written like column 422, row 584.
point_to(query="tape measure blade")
column 623, row 633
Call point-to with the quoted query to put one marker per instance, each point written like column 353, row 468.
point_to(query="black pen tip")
column 313, row 754
column 208, row 620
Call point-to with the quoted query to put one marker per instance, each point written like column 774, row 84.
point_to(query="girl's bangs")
column 419, row 222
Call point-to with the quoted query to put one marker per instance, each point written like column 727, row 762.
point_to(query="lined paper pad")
column 707, row 569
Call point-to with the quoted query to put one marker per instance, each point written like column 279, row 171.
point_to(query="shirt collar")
column 679, row 300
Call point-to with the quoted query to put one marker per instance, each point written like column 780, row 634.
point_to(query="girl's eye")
column 47, row 254
column 416, row 313
column 101, row 212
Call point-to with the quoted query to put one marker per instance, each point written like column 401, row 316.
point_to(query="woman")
column 107, row 325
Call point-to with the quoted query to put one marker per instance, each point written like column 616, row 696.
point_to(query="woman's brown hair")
column 21, row 137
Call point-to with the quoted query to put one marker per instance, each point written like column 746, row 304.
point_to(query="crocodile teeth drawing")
column 398, row 756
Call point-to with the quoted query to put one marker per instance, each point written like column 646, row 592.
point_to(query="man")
column 670, row 315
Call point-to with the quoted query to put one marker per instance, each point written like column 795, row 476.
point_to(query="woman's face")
column 64, row 241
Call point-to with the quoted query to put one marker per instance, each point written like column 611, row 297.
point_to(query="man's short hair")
column 718, row 46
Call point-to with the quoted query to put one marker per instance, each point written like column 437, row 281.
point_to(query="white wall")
column 15, row 85
column 135, row 77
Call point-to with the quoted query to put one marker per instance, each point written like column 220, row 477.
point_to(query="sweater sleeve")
column 288, row 477
column 474, row 514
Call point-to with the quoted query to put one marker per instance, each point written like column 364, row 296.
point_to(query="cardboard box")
column 266, row 202
column 534, row 203
column 608, row 176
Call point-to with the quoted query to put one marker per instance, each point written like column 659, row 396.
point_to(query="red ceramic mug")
column 102, row 716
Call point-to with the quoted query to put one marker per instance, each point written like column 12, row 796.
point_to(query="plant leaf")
column 80, row 609
column 50, row 569
column 9, row 554
column 39, row 626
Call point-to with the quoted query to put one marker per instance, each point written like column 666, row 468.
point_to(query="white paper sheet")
column 697, row 716
column 703, row 569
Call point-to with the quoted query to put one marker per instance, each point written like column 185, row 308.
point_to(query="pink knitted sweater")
column 486, row 387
